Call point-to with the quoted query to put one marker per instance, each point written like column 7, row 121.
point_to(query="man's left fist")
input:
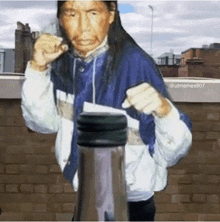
column 146, row 99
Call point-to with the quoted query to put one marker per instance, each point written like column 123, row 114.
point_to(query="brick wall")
column 200, row 63
column 193, row 189
column 32, row 187
column 169, row 71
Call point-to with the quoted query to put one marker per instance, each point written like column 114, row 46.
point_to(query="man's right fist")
column 46, row 49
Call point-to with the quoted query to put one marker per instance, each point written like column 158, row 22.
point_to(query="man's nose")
column 84, row 22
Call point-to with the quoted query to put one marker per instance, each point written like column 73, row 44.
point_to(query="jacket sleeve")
column 173, row 138
column 168, row 138
column 38, row 105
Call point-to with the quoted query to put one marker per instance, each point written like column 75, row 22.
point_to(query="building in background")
column 169, row 59
column 24, row 42
column 169, row 63
column 201, row 62
column 7, row 60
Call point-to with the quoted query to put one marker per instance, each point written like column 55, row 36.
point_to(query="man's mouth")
column 84, row 42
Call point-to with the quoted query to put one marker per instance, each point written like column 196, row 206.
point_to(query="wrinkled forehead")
column 82, row 4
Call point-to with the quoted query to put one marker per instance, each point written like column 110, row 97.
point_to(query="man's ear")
column 112, row 12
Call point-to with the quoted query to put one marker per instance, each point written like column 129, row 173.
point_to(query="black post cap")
column 102, row 129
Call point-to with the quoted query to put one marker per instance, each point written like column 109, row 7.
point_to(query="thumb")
column 125, row 104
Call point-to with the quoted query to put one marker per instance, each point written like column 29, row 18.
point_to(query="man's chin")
column 84, row 49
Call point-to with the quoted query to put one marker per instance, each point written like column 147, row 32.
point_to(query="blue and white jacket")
column 153, row 145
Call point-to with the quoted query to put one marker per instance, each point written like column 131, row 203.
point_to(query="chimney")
column 23, row 46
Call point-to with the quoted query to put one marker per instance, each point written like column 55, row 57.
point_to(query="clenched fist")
column 46, row 49
column 146, row 99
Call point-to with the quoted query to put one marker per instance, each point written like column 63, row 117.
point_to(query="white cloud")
column 177, row 25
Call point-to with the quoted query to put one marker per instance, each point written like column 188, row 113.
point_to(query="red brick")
column 41, row 159
column 11, row 207
column 202, row 208
column 27, row 169
column 199, row 189
column 26, row 207
column 213, row 116
column 175, row 171
column 15, row 158
column 13, row 108
column 194, row 158
column 209, row 217
column 64, row 198
column 52, row 149
column 200, row 179
column 190, row 217
column 213, row 179
column 175, row 217
column 40, row 189
column 11, row 216
column 68, row 188
column 212, row 159
column 214, row 198
column 212, row 135
column 38, row 179
column 199, row 198
column 170, row 208
column 60, row 179
column 40, row 198
column 64, row 216
column 180, row 198
column 2, row 168
column 179, row 179
column 216, row 126
column 40, row 208
column 55, row 169
column 39, row 216
column 55, row 207
column 12, row 198
column 202, row 126
column 26, row 188
column 198, row 147
column 42, row 149
column 198, row 136
column 41, row 169
column 56, row 188
column 171, row 189
column 14, row 121
column 12, row 131
column 2, row 120
column 12, row 178
column 69, row 207
column 11, row 188
column 2, row 188
column 197, row 116
column 2, row 111
column 12, row 169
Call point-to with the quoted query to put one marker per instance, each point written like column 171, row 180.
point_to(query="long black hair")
column 117, row 40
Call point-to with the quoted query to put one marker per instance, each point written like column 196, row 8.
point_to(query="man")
column 97, row 62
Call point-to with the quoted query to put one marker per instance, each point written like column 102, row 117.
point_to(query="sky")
column 177, row 25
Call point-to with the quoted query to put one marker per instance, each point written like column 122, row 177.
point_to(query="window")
column 1, row 61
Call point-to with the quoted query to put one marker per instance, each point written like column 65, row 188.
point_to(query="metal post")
column 151, row 41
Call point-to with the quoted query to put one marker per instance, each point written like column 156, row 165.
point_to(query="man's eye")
column 69, row 14
column 94, row 13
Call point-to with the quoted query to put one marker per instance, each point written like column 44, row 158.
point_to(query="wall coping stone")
column 181, row 89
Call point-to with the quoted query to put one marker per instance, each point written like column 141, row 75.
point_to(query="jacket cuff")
column 34, row 74
column 164, row 122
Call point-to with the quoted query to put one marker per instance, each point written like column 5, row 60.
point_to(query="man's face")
column 86, row 23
